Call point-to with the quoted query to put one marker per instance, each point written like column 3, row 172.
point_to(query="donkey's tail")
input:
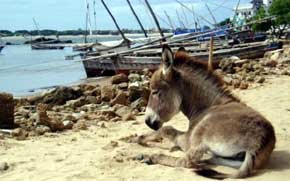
column 210, row 173
column 244, row 171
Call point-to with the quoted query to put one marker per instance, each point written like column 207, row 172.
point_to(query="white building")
column 246, row 11
column 267, row 3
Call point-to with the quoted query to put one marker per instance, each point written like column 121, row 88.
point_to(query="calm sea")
column 23, row 71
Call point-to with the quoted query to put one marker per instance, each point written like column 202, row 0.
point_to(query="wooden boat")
column 44, row 40
column 151, row 58
column 40, row 46
column 103, row 47
column 1, row 48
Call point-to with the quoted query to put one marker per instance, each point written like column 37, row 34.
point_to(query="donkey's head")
column 165, row 98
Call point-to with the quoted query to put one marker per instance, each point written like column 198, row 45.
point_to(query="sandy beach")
column 99, row 154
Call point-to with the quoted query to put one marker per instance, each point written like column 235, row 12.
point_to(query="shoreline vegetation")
column 48, row 32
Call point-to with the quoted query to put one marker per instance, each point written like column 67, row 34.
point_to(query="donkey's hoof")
column 139, row 157
column 144, row 159
column 148, row 161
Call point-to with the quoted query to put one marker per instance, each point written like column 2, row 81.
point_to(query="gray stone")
column 41, row 129
column 121, row 98
column 6, row 111
column 107, row 93
column 4, row 166
column 120, row 78
column 123, row 85
column 68, row 124
column 134, row 77
column 260, row 80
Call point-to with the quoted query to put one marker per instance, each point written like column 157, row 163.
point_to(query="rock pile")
column 80, row 106
column 6, row 111
column 240, row 73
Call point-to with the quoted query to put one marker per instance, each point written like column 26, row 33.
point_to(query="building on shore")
column 245, row 11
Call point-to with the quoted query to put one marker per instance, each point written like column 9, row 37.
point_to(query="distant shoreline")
column 77, row 37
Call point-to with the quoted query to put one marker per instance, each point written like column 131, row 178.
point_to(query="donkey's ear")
column 167, row 56
column 181, row 49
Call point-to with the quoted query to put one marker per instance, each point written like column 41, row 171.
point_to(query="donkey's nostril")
column 148, row 121
column 155, row 125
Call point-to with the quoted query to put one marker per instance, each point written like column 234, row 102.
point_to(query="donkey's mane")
column 192, row 67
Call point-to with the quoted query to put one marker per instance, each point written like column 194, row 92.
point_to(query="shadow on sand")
column 279, row 160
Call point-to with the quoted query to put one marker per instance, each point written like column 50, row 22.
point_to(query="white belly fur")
column 224, row 149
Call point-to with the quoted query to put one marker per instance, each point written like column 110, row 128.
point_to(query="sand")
column 98, row 154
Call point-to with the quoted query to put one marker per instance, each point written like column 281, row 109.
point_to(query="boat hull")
column 125, row 64
column 46, row 47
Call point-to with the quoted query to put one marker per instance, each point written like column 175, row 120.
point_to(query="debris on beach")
column 76, row 107
column 240, row 73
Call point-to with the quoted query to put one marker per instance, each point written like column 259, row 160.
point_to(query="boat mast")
column 214, row 20
column 87, row 19
column 155, row 19
column 36, row 26
column 179, row 20
column 95, row 15
column 137, row 18
column 169, row 20
column 187, row 8
column 194, row 18
column 115, row 22
column 185, row 17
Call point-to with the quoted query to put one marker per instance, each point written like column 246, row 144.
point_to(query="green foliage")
column 224, row 22
column 281, row 9
column 261, row 26
column 5, row 33
column 21, row 32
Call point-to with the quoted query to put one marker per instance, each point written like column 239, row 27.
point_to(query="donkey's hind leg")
column 216, row 160
column 191, row 159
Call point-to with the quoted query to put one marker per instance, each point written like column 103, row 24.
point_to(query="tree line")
column 48, row 32
column 280, row 9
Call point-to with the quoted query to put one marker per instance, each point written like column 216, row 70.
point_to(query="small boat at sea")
column 45, row 40
column 40, row 46
column 1, row 47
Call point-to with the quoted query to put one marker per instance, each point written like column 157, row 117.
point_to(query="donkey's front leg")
column 170, row 161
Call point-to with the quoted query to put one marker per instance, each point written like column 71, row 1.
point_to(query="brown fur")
column 219, row 122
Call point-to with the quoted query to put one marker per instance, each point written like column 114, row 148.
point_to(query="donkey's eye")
column 155, row 92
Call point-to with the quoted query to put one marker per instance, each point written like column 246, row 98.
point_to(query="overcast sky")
column 70, row 14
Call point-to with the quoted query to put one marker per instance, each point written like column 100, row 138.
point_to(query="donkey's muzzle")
column 153, row 124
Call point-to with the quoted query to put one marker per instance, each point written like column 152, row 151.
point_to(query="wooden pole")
column 115, row 22
column 137, row 18
column 210, row 55
column 155, row 19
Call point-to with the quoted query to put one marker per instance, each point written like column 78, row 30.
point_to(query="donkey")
column 219, row 123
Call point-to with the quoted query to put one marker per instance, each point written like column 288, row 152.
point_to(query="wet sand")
column 98, row 154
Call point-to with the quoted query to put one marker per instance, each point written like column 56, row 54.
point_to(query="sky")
column 70, row 14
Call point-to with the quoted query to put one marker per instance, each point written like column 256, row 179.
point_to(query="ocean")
column 24, row 71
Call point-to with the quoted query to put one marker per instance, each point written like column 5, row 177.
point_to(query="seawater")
column 22, row 70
